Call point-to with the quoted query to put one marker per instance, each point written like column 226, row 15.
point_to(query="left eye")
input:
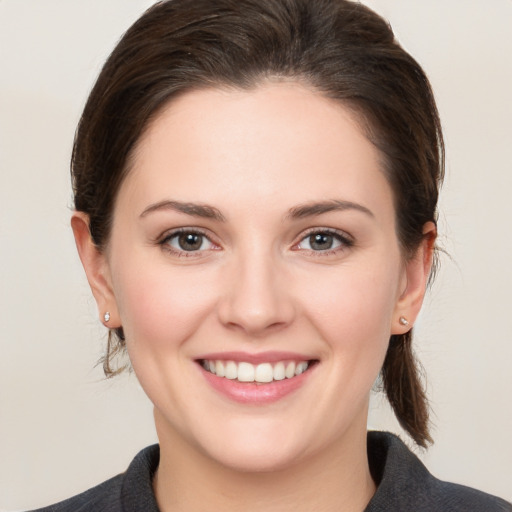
column 189, row 241
column 321, row 241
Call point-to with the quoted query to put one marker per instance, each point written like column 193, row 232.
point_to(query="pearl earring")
column 403, row 321
column 106, row 316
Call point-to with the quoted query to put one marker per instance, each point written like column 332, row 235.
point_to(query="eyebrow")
column 311, row 209
column 194, row 209
column 297, row 212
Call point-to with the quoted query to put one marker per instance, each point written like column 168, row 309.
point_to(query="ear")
column 97, row 270
column 414, row 282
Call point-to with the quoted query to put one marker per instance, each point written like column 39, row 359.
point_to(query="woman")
column 255, row 190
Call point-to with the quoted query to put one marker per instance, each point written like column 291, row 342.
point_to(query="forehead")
column 278, row 141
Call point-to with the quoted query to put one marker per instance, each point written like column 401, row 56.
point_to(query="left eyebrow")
column 311, row 209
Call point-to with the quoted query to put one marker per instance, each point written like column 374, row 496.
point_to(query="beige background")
column 63, row 429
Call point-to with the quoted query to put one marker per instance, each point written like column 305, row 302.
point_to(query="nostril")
column 256, row 327
column 255, row 299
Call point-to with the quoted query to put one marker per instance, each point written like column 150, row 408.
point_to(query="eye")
column 323, row 241
column 187, row 241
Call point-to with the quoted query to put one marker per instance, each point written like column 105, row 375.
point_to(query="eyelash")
column 165, row 239
column 344, row 240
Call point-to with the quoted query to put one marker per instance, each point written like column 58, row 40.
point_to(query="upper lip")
column 255, row 358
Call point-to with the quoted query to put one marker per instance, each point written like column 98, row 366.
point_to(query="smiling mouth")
column 260, row 373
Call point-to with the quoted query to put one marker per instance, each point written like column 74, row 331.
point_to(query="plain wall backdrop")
column 64, row 429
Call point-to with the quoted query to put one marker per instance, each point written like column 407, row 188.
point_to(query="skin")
column 257, row 285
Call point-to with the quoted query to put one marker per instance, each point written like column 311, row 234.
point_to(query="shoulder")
column 404, row 483
column 129, row 491
column 103, row 497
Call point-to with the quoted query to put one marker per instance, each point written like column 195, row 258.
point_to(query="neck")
column 338, row 480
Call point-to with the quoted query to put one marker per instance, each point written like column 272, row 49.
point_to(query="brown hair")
column 338, row 47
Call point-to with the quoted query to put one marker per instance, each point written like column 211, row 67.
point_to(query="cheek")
column 353, row 308
column 160, row 306
column 357, row 294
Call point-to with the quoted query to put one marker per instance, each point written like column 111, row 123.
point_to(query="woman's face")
column 255, row 237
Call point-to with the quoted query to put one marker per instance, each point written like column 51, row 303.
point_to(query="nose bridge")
column 256, row 299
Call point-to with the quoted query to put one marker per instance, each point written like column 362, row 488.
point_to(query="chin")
column 258, row 445
column 256, row 458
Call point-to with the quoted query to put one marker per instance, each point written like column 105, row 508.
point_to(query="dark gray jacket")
column 404, row 484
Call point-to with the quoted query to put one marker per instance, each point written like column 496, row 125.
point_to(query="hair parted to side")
column 339, row 48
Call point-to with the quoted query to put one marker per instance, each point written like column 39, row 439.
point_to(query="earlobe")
column 417, row 271
column 96, row 269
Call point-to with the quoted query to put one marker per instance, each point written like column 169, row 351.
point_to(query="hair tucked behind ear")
column 114, row 360
column 404, row 388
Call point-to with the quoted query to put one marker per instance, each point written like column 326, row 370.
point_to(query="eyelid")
column 345, row 238
column 167, row 235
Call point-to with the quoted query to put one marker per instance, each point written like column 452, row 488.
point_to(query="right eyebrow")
column 193, row 209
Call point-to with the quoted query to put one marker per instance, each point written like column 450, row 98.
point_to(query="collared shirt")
column 403, row 484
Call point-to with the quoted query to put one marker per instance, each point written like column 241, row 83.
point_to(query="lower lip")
column 253, row 392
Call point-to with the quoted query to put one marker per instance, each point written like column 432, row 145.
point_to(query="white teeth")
column 264, row 373
column 247, row 372
column 290, row 370
column 301, row 368
column 219, row 369
column 279, row 371
column 231, row 370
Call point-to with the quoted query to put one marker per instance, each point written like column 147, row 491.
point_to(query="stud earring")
column 403, row 321
column 106, row 316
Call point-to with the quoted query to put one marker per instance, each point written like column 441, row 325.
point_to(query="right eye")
column 187, row 241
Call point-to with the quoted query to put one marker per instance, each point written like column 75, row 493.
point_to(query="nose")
column 256, row 297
